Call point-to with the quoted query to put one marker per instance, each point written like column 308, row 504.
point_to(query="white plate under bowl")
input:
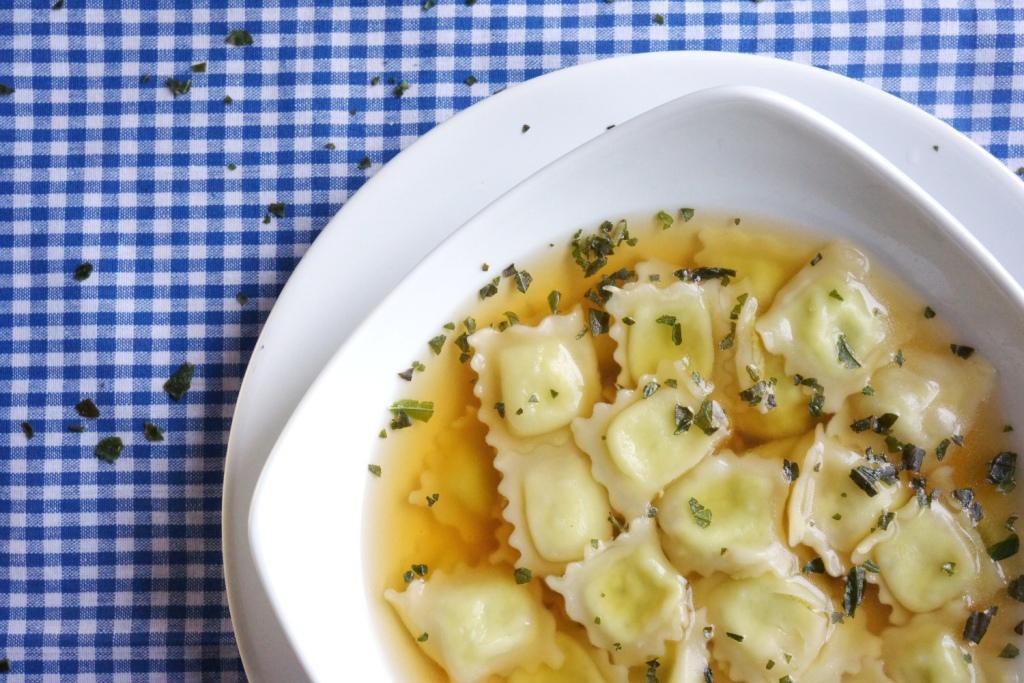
column 746, row 150
column 565, row 108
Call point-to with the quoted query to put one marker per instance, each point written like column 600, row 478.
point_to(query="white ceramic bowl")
column 744, row 150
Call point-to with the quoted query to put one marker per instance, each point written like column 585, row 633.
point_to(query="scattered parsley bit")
column 949, row 568
column 432, row 498
column 1002, row 471
column 1007, row 428
column 232, row 167
column 76, row 428
column 961, row 351
column 790, row 470
column 977, row 623
column 365, row 163
column 153, row 433
column 686, row 214
column 400, row 89
column 6, row 89
column 735, row 636
column 594, row 543
column 525, row 128
column 27, row 430
column 929, row 312
column 374, row 469
column 868, row 390
column 554, row 297
column 239, row 38
column 598, row 321
column 382, row 434
column 277, row 209
column 87, row 409
column 470, row 80
column 423, row 636
column 664, row 219
column 815, row 566
column 5, row 665
column 428, row 5
column 522, row 280
column 1009, row 651
column 710, row 417
column 659, row 19
column 701, row 514
column 683, row 418
column 762, row 392
column 649, row 389
column 845, row 353
column 965, row 497
column 180, row 381
column 940, row 450
column 522, row 575
column 109, row 449
column 816, row 260
column 228, row 100
column 1005, row 548
column 82, row 272
column 199, row 68
column 837, row 516
column 490, row 289
column 870, row 566
column 853, row 590
column 416, row 410
column 705, row 273
column 898, row 358
column 436, row 344
column 836, row 295
column 674, row 326
column 652, row 511
column 178, row 87
column 912, row 457
column 651, row 675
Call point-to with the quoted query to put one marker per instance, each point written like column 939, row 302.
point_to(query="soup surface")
column 693, row 448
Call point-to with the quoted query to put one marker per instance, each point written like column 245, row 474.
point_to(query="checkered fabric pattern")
column 114, row 571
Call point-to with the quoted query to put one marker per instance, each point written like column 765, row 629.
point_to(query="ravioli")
column 554, row 505
column 478, row 622
column 743, row 534
column 656, row 324
column 829, row 325
column 935, row 396
column 533, row 381
column 928, row 557
column 785, row 620
column 639, row 445
column 690, row 658
column 627, row 595
column 829, row 511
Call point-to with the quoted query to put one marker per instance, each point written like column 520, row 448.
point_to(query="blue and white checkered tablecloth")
column 114, row 571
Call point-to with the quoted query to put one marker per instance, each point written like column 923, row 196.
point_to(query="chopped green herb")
column 5, row 665
column 790, row 470
column 490, row 289
column 651, row 675
column 6, row 89
column 591, row 252
column 652, row 511
column 853, row 590
column 664, row 219
column 686, row 214
column 710, row 417
column 522, row 280
column 816, row 260
column 365, row 163
column 554, row 297
column 76, row 428
column 598, row 321
column 374, row 469
column 837, row 516
column 1009, row 651
column 965, row 497
column 683, row 418
column 705, row 273
column 27, row 430
column 867, row 390
column 675, row 328
column 153, row 433
column 870, row 566
column 1005, row 548
column 500, row 407
column 180, row 381
column 277, row 209
column 898, row 358
column 977, row 623
column 432, row 498
column 1002, row 471
column 400, row 89
column 109, row 449
column 416, row 410
column 382, row 434
column 659, row 19
column 470, row 80
column 961, row 351
column 701, row 514
column 199, row 68
column 82, row 272
column 912, row 457
column 929, row 312
column 735, row 636
column 940, row 450
column 228, row 100
column 845, row 353
column 178, row 87
column 522, row 575
column 525, row 128
column 86, row 408
column 594, row 543
column 436, row 344
column 649, row 389
column 836, row 295
column 239, row 38
column 232, row 167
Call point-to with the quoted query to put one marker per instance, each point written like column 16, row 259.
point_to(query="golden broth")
column 449, row 457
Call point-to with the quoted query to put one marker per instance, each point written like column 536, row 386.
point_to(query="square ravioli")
column 726, row 515
column 478, row 622
column 555, row 506
column 533, row 381
column 649, row 436
column 829, row 324
column 627, row 595
column 654, row 325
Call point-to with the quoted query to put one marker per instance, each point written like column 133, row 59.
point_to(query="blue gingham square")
column 114, row 572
